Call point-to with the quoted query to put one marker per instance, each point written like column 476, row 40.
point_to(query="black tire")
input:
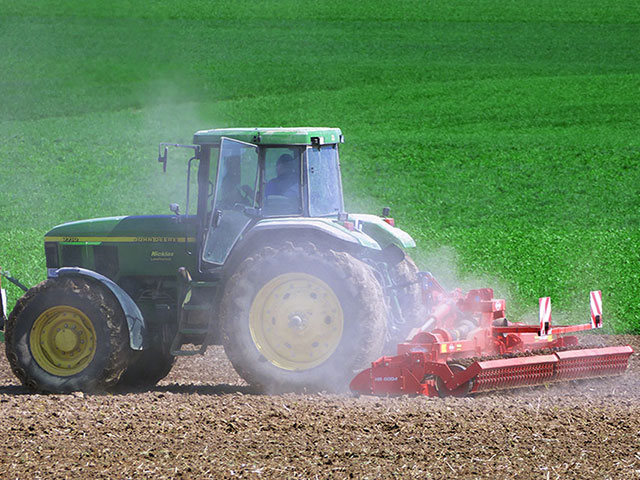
column 413, row 309
column 103, row 364
column 148, row 367
column 362, row 322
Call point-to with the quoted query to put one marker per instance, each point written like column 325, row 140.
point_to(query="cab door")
column 235, row 190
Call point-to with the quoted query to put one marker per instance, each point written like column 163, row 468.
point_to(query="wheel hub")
column 296, row 321
column 62, row 340
column 66, row 340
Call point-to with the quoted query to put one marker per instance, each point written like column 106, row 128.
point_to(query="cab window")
column 325, row 192
column 283, row 180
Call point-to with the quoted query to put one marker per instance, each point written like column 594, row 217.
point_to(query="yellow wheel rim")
column 62, row 340
column 296, row 321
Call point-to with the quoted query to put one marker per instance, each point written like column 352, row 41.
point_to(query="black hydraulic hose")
column 14, row 281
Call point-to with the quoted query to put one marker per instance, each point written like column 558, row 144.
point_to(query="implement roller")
column 466, row 346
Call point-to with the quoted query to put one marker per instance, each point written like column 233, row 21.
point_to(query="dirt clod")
column 203, row 421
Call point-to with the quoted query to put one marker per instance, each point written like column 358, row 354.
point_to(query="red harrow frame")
column 467, row 346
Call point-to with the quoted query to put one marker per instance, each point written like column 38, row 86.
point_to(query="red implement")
column 445, row 355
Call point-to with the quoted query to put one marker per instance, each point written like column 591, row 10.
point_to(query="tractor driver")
column 230, row 193
column 287, row 181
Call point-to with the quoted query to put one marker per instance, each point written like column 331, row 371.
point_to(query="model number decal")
column 385, row 379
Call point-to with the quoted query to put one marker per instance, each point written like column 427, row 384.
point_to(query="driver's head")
column 284, row 164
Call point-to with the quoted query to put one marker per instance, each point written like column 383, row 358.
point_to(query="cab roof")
column 272, row 136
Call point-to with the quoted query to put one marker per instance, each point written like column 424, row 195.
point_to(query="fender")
column 380, row 231
column 325, row 226
column 135, row 321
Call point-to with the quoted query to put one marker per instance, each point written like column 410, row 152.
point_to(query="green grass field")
column 503, row 134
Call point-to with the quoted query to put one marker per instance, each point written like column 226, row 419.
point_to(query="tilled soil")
column 203, row 421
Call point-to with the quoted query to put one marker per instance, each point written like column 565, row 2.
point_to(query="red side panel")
column 399, row 375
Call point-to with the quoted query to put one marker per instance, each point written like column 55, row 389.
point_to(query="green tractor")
column 300, row 293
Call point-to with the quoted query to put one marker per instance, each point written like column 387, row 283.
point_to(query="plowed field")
column 203, row 422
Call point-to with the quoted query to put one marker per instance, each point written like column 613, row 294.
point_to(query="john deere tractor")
column 300, row 293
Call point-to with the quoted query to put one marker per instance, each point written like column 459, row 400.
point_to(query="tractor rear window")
column 325, row 192
column 283, row 180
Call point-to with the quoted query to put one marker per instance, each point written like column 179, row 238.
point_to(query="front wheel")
column 67, row 334
column 302, row 319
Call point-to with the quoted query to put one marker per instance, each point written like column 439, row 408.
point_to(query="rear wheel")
column 67, row 334
column 297, row 318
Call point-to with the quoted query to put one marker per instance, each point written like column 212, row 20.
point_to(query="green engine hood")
column 124, row 246
column 132, row 229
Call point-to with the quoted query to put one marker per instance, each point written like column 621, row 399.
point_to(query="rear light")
column 349, row 226
column 390, row 221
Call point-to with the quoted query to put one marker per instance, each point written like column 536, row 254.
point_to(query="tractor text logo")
column 159, row 239
column 160, row 256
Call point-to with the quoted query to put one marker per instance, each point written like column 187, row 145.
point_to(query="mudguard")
column 325, row 226
column 380, row 231
column 135, row 320
column 368, row 231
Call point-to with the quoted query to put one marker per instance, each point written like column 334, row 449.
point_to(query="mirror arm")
column 186, row 210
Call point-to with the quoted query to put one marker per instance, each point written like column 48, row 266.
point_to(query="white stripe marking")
column 545, row 316
column 596, row 308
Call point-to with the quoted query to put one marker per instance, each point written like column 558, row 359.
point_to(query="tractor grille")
column 72, row 255
column 106, row 260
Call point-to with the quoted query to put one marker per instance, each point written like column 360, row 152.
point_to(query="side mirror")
column 162, row 157
column 175, row 208
column 163, row 150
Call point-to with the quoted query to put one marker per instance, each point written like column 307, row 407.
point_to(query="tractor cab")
column 247, row 175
